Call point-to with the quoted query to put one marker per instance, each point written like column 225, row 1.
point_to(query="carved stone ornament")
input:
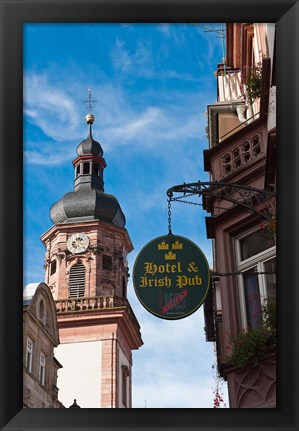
column 257, row 385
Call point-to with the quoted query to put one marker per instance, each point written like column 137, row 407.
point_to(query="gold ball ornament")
column 89, row 119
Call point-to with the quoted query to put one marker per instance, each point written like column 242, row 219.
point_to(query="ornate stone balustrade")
column 87, row 304
column 71, row 305
column 241, row 154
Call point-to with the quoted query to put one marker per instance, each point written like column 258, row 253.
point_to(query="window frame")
column 42, row 369
column 124, row 388
column 257, row 261
column 86, row 168
column 29, row 368
column 53, row 266
column 107, row 262
column 80, row 289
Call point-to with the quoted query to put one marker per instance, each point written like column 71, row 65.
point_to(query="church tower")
column 87, row 271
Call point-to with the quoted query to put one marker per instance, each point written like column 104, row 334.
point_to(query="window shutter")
column 107, row 262
column 77, row 281
column 53, row 267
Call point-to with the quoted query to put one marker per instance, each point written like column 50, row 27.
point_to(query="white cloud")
column 135, row 126
column 138, row 62
column 118, row 122
column 175, row 393
column 184, row 377
column 39, row 158
column 142, row 61
column 50, row 108
column 120, row 57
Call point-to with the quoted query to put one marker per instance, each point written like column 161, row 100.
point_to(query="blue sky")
column 152, row 84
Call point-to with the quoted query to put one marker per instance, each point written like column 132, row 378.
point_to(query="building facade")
column 240, row 309
column 40, row 337
column 87, row 270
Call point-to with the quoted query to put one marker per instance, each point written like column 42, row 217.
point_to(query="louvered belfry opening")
column 77, row 281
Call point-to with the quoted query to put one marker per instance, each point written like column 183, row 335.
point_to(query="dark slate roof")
column 87, row 204
column 89, row 146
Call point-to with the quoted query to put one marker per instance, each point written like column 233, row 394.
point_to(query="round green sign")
column 171, row 277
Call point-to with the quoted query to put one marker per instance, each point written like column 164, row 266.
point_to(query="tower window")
column 78, row 171
column 95, row 169
column 53, row 267
column 86, row 168
column 77, row 281
column 124, row 288
column 125, row 375
column 107, row 262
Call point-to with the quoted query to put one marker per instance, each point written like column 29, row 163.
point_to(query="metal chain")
column 169, row 216
column 178, row 199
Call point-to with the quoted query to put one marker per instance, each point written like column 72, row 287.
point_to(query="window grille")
column 53, row 267
column 77, row 281
column 107, row 262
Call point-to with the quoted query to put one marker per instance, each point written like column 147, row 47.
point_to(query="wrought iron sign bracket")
column 253, row 199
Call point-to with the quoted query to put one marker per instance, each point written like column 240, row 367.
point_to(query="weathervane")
column 89, row 102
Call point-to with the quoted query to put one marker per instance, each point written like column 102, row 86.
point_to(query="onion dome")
column 86, row 205
column 88, row 201
column 89, row 145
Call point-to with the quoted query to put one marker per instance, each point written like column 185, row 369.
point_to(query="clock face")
column 78, row 243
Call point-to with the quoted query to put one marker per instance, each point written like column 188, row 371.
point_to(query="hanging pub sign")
column 171, row 277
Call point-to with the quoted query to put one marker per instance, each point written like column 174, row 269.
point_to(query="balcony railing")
column 86, row 304
column 241, row 154
column 229, row 85
column 95, row 303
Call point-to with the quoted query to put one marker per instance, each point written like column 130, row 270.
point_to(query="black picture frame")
column 14, row 13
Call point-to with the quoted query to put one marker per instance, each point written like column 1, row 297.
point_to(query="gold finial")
column 89, row 119
column 90, row 102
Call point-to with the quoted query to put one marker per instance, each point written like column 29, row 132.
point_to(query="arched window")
column 77, row 281
column 95, row 169
column 86, row 168
column 125, row 375
column 42, row 309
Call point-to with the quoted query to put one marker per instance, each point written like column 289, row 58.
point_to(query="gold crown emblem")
column 163, row 246
column 177, row 245
column 170, row 256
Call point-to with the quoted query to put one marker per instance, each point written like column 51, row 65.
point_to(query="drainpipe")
column 249, row 113
column 241, row 110
column 245, row 113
